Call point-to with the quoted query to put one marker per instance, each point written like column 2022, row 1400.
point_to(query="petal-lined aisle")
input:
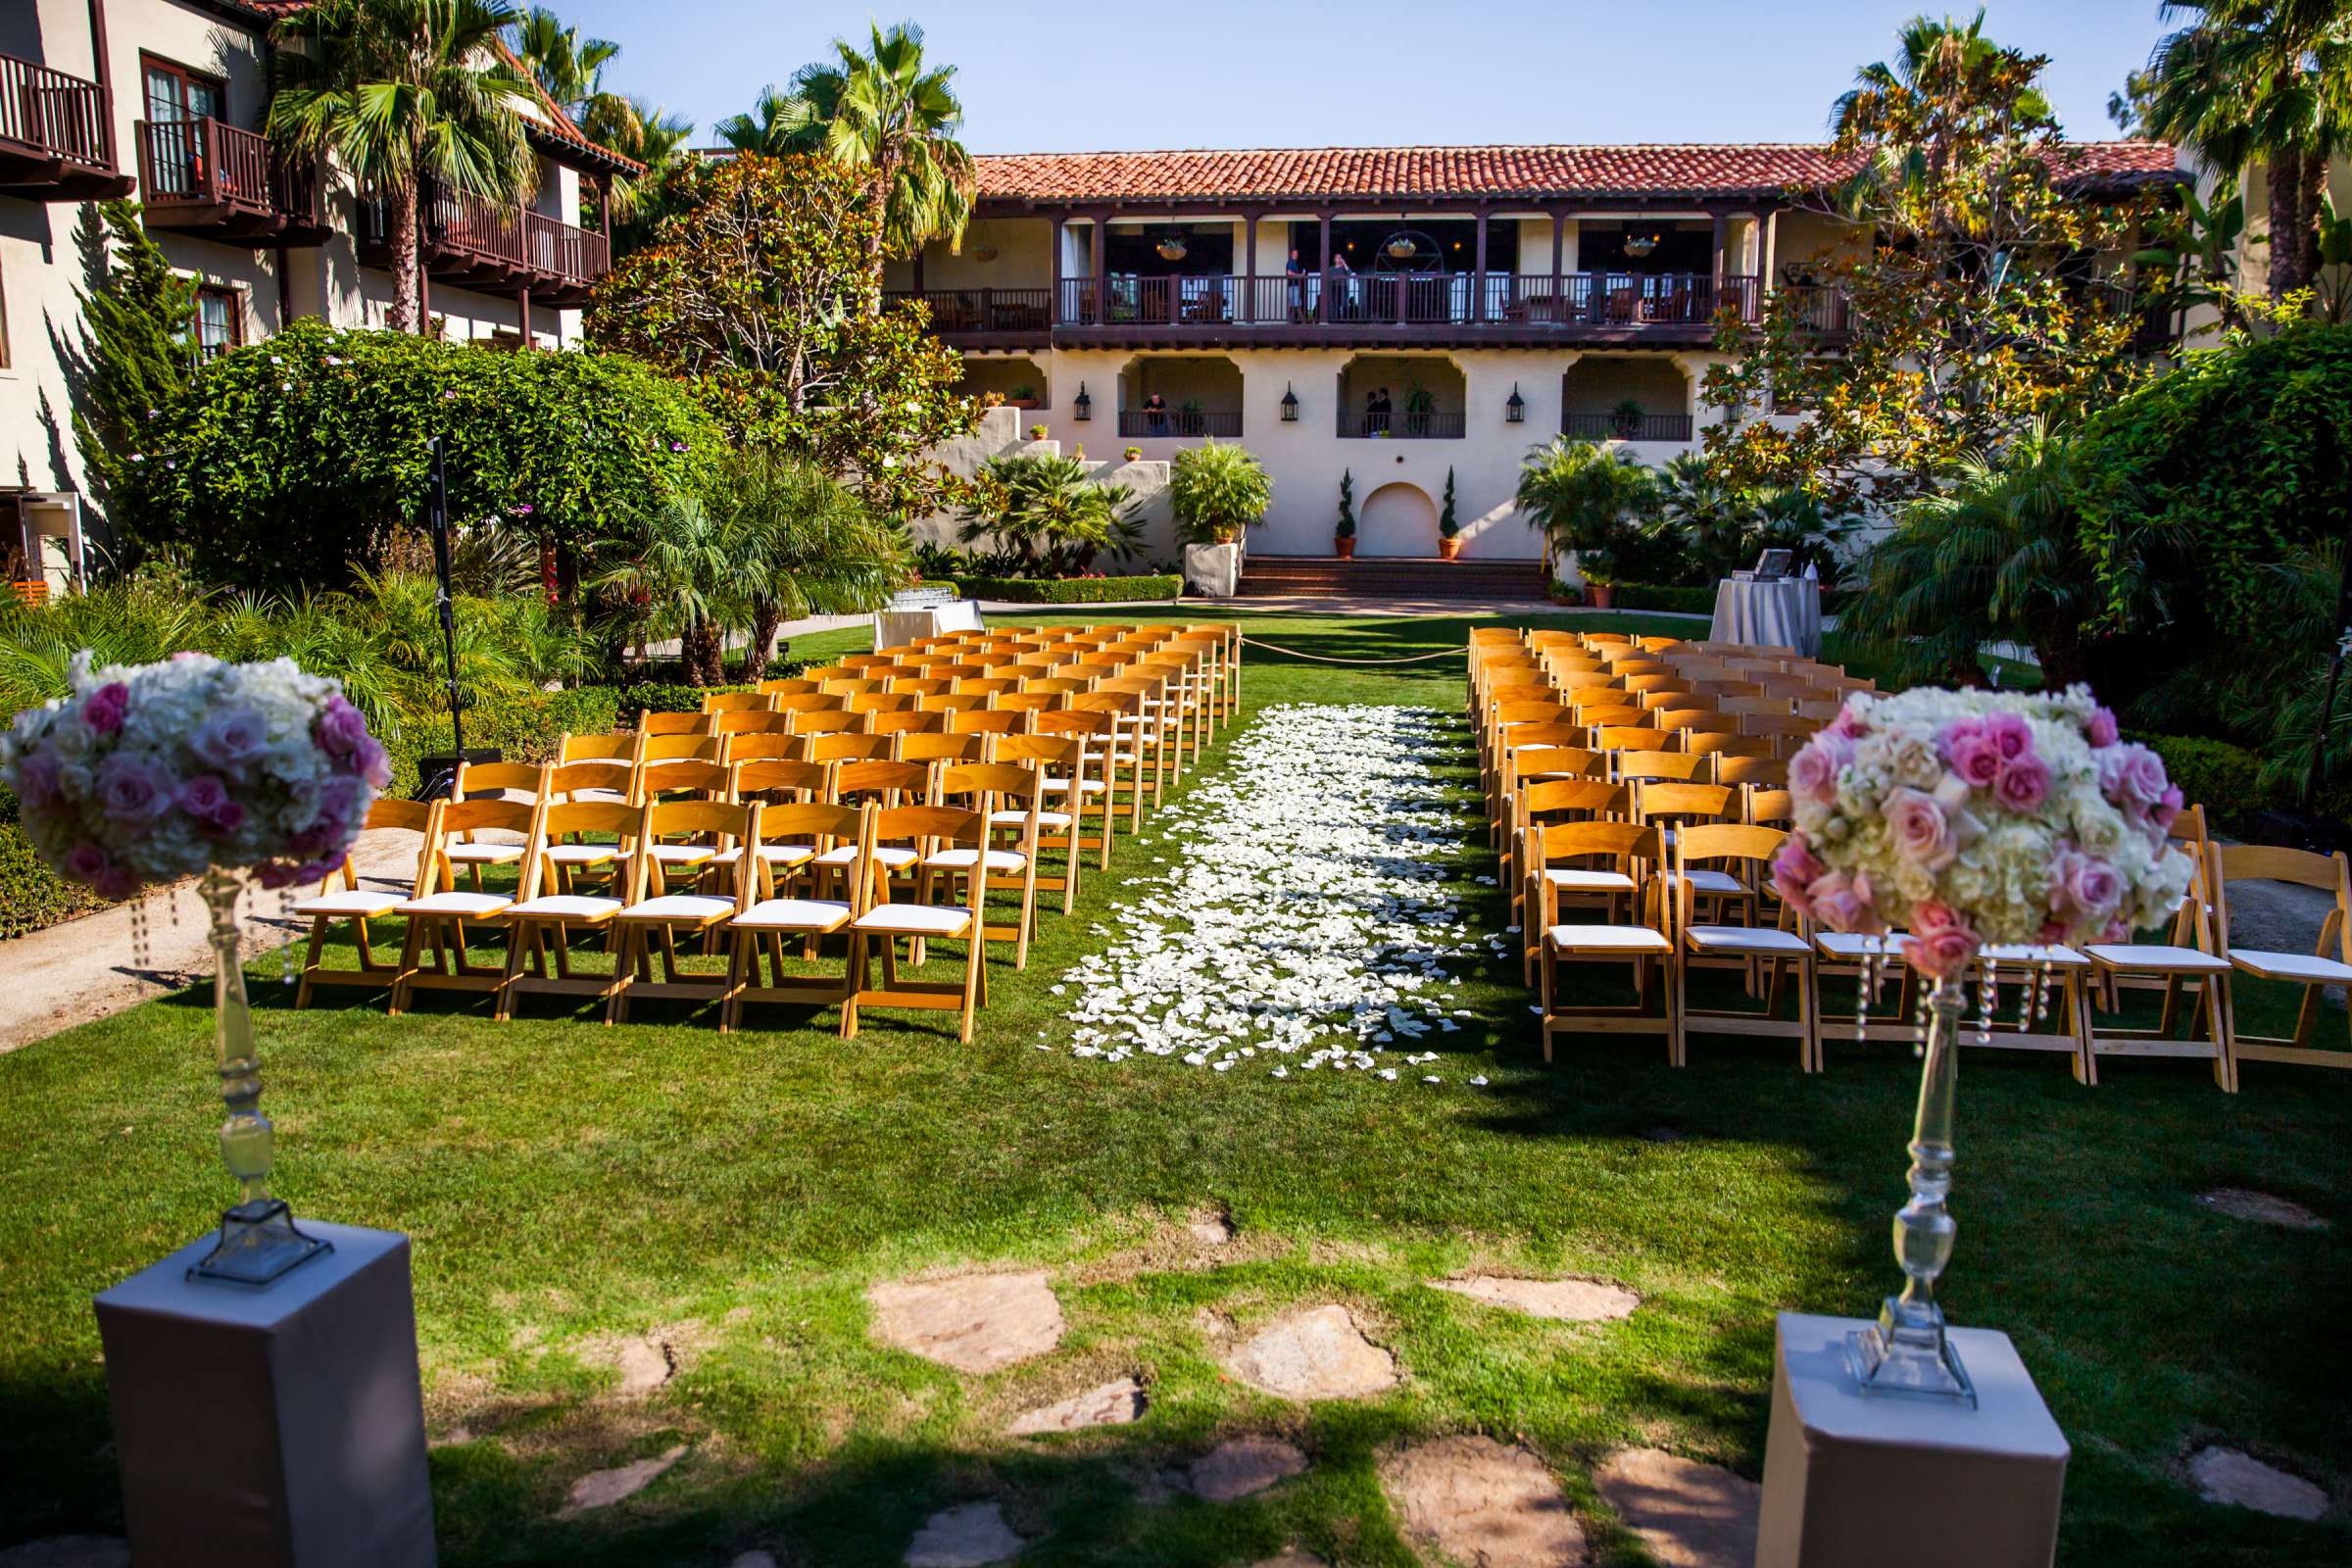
column 1308, row 908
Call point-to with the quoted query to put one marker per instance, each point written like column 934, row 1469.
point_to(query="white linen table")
column 1779, row 613
column 895, row 628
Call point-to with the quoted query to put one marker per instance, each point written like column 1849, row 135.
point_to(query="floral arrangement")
column 1977, row 818
column 159, row 771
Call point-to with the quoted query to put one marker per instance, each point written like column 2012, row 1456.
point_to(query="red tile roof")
column 1460, row 173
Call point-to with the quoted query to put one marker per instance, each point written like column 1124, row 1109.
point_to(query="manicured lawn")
column 566, row 1183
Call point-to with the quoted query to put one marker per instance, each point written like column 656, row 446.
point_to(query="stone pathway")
column 601, row 1488
column 1243, row 1467
column 1315, row 1355
column 1569, row 1300
column 2263, row 1208
column 977, row 1323
column 1688, row 1514
column 1113, row 1405
column 971, row 1535
column 1484, row 1506
column 2224, row 1475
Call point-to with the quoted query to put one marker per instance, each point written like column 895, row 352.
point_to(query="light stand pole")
column 437, row 519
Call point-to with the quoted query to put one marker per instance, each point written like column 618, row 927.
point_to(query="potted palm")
column 1625, row 419
column 1450, row 527
column 1419, row 404
column 1023, row 396
column 1582, row 494
column 1216, row 492
column 1343, row 536
column 1599, row 572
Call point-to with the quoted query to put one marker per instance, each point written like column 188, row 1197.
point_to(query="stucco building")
column 1499, row 295
column 161, row 101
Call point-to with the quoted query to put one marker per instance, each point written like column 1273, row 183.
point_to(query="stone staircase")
column 1391, row 577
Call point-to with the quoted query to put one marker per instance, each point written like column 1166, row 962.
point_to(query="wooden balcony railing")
column 205, row 163
column 1223, row 423
column 1612, row 427
column 495, row 243
column 982, row 310
column 1438, row 424
column 54, row 115
column 1379, row 299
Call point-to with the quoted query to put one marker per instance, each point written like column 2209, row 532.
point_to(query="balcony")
column 1435, row 425
column 55, row 136
column 984, row 318
column 1626, row 426
column 1225, row 425
column 493, row 248
column 204, row 178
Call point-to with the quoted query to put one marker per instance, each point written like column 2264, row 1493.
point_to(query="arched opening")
column 1402, row 397
column 1180, row 396
column 1625, row 397
column 1398, row 520
column 1016, row 382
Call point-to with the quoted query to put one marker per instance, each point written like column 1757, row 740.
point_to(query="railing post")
column 1559, row 234
column 1053, row 292
column 208, row 166
column 1323, row 264
column 1478, row 277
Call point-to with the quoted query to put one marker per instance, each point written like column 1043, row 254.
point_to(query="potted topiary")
column 1419, row 404
column 1036, row 432
column 1599, row 572
column 1625, row 419
column 1450, row 527
column 1343, row 536
column 1023, row 396
column 1216, row 492
column 1135, row 454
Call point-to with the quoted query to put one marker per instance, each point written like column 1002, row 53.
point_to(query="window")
column 220, row 320
column 176, row 98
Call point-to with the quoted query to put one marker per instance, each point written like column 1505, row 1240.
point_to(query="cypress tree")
column 137, row 351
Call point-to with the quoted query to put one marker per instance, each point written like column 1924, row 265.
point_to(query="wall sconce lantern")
column 1290, row 405
column 1515, row 411
column 1082, row 406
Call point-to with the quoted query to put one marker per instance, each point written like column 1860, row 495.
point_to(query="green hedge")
column 1065, row 590
column 31, row 896
column 2227, row 781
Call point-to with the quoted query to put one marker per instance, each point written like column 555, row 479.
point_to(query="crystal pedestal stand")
column 258, row 1239
column 1906, row 1352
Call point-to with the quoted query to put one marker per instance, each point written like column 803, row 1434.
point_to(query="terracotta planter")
column 1345, row 549
column 1448, row 549
column 1601, row 595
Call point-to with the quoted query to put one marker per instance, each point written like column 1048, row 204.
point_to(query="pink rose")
column 2132, row 777
column 1922, row 834
column 206, row 798
column 372, row 763
column 1847, row 725
column 2168, row 807
column 1973, row 753
column 2052, row 933
column 2086, row 883
column 2011, row 733
column 134, row 787
column 2102, row 730
column 1941, row 953
column 341, row 728
column 2023, row 782
column 36, row 778
column 1843, row 902
column 1793, row 871
column 102, row 710
column 86, row 862
column 1813, row 771
column 232, row 740
column 1930, row 915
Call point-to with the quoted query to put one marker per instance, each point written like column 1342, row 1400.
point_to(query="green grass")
column 563, row 1181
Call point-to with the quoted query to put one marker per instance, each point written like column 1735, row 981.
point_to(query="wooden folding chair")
column 1703, row 943
column 1540, row 890
column 917, row 831
column 440, row 912
column 492, row 781
column 1621, row 857
column 1009, row 797
column 762, row 926
column 1063, row 777
column 2328, row 963
column 738, row 702
column 617, row 754
column 331, row 905
column 2191, row 958
column 540, row 925
column 654, row 912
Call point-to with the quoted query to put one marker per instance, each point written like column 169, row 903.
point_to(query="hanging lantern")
column 1640, row 245
column 984, row 248
column 1082, row 406
column 1172, row 248
column 1290, row 405
column 1401, row 247
column 1515, row 411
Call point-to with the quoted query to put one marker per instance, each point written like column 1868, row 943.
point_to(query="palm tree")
column 806, row 544
column 399, row 92
column 883, row 114
column 1583, row 494
column 643, row 132
column 2268, row 80
column 683, row 577
column 779, row 123
column 1054, row 514
column 1993, row 556
column 572, row 69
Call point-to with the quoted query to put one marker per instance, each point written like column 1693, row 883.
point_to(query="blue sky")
column 1064, row 77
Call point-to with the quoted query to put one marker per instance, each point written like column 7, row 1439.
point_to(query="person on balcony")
column 1295, row 270
column 1377, row 408
column 1156, row 415
column 1342, row 284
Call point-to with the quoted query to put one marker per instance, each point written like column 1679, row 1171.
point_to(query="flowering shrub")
column 1980, row 818
column 158, row 771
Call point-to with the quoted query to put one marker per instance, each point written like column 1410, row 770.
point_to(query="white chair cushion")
column 681, row 906
column 1706, row 881
column 473, row 904
column 349, row 901
column 1850, row 947
column 684, row 854
column 1050, row 820
column 1606, row 939
column 2155, row 957
column 2306, row 968
column 917, row 921
column 599, row 797
column 1570, row 880
column 1744, row 939
column 2021, row 953
column 1061, row 786
column 787, row 854
column 585, row 853
column 794, row 914
column 962, row 861
column 485, row 853
column 567, row 907
column 897, row 859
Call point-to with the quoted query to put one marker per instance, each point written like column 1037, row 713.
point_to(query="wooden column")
column 1053, row 303
column 604, row 210
column 1101, row 225
column 1478, row 277
column 1723, row 230
column 522, row 313
column 1323, row 289
column 103, row 72
column 1559, row 235
column 1249, row 310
